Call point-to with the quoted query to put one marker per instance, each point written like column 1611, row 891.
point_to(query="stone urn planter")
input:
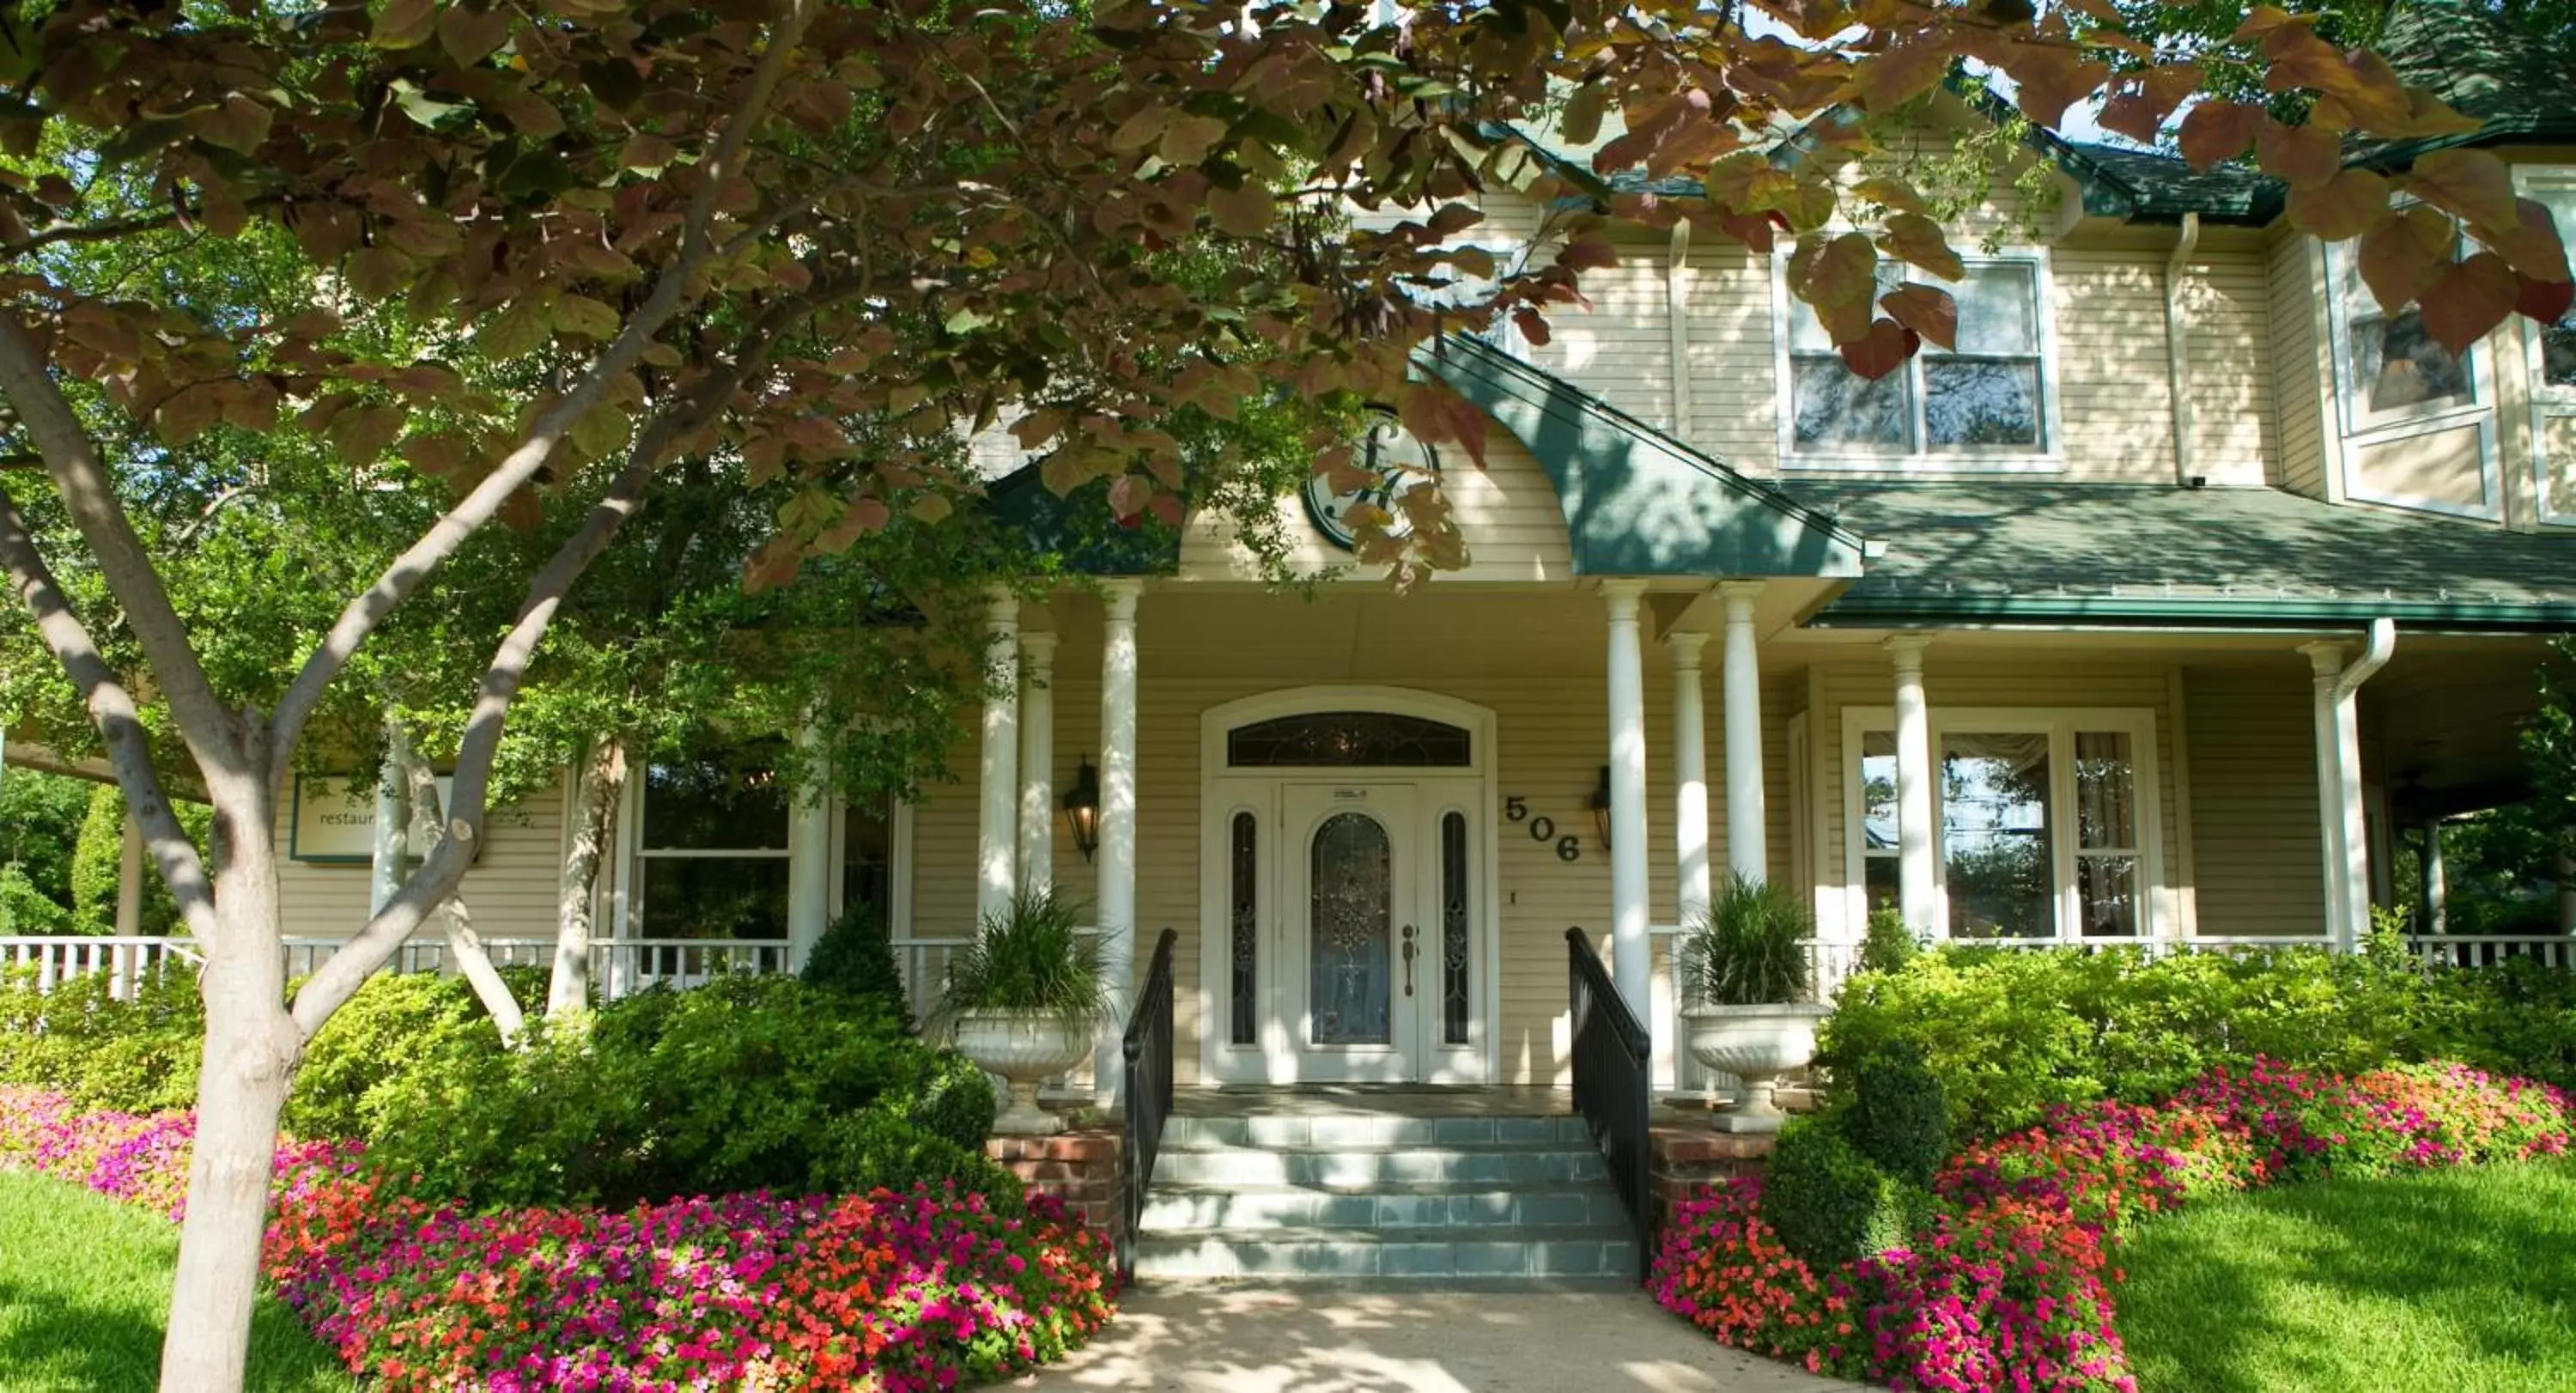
column 1024, row 1048
column 1756, row 1044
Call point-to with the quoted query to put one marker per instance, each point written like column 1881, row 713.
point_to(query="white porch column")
column 2326, row 663
column 1115, row 893
column 1631, row 959
column 2437, row 882
column 809, row 858
column 1691, row 891
column 1747, row 854
column 997, row 831
column 1037, row 762
column 1913, row 785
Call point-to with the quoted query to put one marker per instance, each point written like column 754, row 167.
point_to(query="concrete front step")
column 1430, row 1255
column 1366, row 1167
column 1364, row 1131
column 1254, row 1207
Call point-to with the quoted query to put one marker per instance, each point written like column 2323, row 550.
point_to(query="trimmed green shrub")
column 1829, row 1204
column 96, row 859
column 2010, row 1033
column 133, row 1056
column 393, row 1023
column 855, row 957
column 748, row 1083
column 877, row 1150
column 1886, row 944
column 1898, row 1115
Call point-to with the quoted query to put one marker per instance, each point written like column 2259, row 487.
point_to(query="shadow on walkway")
column 1204, row 1338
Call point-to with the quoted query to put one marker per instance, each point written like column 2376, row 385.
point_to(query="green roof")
column 2148, row 186
column 2154, row 555
column 1080, row 528
column 1639, row 502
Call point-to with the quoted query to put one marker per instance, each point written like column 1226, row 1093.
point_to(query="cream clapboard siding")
column 1734, row 392
column 2231, row 374
column 2300, row 354
column 2032, row 680
column 1551, row 732
column 2115, row 398
column 2254, row 814
column 510, row 891
column 1508, row 510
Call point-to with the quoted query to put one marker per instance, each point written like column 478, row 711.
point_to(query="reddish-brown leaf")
column 2215, row 132
column 2347, row 205
column 2402, row 257
column 2544, row 301
column 1243, row 211
column 2298, row 155
column 1587, row 254
column 2469, row 299
column 469, row 36
column 2531, row 245
column 1826, row 271
column 1532, row 326
column 1882, row 350
column 1898, row 74
column 1927, row 310
column 1918, row 240
column 2471, row 183
column 1128, row 494
column 2047, row 85
column 404, row 24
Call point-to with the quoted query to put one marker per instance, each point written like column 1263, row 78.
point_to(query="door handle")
column 1408, row 960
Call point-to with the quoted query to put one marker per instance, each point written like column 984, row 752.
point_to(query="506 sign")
column 1543, row 829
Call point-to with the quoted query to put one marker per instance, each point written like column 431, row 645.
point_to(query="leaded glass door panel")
column 1360, row 958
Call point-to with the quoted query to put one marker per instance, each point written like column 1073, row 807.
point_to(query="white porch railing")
column 127, row 961
column 2442, row 950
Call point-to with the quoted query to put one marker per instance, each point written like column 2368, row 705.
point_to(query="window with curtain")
column 2041, row 828
column 711, row 849
column 1985, row 396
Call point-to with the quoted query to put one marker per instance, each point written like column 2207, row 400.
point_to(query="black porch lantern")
column 1601, row 808
column 1082, row 809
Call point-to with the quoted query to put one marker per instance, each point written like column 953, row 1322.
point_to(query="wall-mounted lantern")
column 1082, row 809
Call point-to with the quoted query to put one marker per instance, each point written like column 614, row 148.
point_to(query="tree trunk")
column 465, row 946
column 252, row 1047
column 599, row 786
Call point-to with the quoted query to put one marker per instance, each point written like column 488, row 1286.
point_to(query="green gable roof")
column 1638, row 502
column 2153, row 555
column 2523, row 89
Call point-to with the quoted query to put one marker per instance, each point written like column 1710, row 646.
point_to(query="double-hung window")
column 1987, row 402
column 2550, row 355
column 2418, row 421
column 2045, row 824
column 711, row 850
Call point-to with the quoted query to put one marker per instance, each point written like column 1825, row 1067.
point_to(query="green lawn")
column 2433, row 1283
column 84, row 1282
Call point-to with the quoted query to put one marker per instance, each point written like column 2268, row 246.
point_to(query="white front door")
column 1353, row 910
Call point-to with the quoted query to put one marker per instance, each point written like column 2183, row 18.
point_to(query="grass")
column 84, row 1284
column 2427, row 1283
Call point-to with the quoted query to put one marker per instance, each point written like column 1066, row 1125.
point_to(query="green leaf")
column 584, row 317
column 404, row 24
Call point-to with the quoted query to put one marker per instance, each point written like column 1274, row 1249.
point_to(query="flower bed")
column 2010, row 1288
column 921, row 1290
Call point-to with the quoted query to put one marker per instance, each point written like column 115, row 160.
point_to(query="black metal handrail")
column 1147, row 1048
column 1613, row 1074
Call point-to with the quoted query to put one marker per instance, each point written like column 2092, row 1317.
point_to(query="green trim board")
column 2158, row 556
column 1638, row 502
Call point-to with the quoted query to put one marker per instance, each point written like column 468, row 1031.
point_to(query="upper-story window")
column 1987, row 403
column 2418, row 421
column 2550, row 357
column 2392, row 368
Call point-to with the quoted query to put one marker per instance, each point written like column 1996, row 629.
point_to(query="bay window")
column 2418, row 421
column 2044, row 821
column 1984, row 403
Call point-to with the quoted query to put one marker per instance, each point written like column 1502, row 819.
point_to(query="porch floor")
column 1376, row 1100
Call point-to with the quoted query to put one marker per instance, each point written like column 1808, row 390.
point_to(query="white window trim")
column 2060, row 724
column 2049, row 459
column 624, row 907
column 2361, row 430
column 2546, row 403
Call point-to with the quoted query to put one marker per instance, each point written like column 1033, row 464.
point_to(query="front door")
column 1361, row 976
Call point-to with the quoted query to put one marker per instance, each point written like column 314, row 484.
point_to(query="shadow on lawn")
column 72, row 1344
column 2257, row 1294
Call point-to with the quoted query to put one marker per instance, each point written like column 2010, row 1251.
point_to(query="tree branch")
column 348, row 968
column 450, row 532
column 111, row 707
column 71, row 460
column 114, row 228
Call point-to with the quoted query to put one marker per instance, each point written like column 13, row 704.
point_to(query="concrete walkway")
column 1214, row 1338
